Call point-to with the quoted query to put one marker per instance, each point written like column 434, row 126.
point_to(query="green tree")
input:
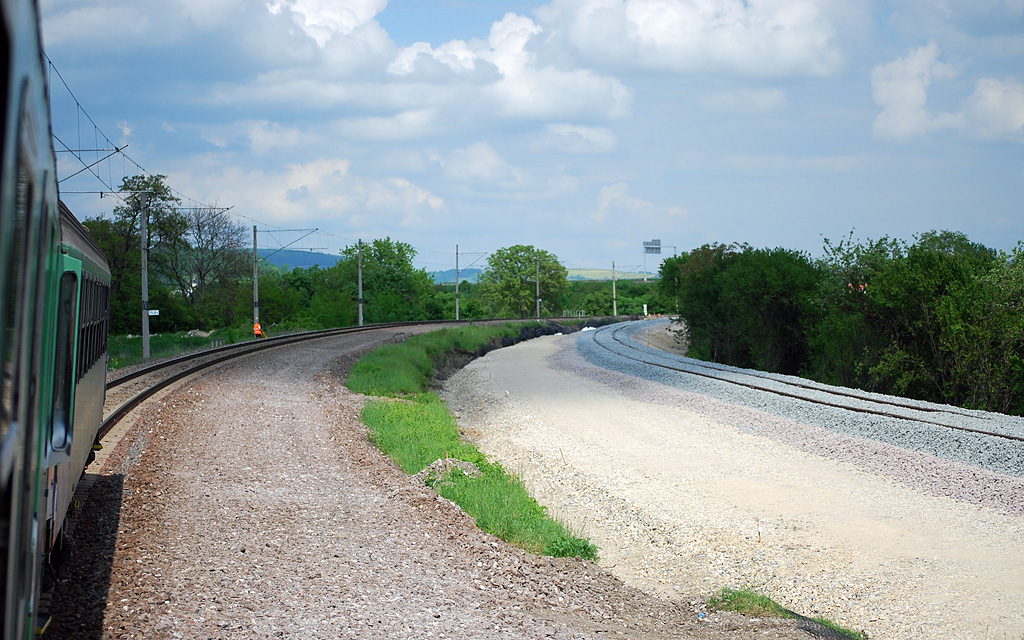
column 509, row 284
column 119, row 237
column 211, row 246
column 770, row 293
column 924, row 302
column 709, row 325
column 393, row 289
column 847, row 339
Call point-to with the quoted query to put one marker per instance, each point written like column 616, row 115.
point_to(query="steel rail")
column 768, row 389
column 228, row 352
column 256, row 345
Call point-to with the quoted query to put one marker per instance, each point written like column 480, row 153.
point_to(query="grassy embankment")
column 413, row 426
column 750, row 603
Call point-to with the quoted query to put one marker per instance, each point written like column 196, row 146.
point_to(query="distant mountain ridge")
column 448, row 277
column 298, row 259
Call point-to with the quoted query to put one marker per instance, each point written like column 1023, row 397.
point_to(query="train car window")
column 60, row 433
column 92, row 324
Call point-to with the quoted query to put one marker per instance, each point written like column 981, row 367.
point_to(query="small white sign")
column 154, row 312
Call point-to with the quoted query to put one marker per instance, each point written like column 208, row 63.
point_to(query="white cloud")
column 478, row 163
column 575, row 138
column 615, row 202
column 523, row 86
column 455, row 55
column 410, row 124
column 305, row 192
column 996, row 108
column 322, row 19
column 744, row 100
column 900, row 87
column 261, row 137
column 749, row 37
column 615, row 197
column 93, row 25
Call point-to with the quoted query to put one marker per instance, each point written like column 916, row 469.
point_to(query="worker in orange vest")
column 256, row 328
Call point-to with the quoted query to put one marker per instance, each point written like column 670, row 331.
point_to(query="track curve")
column 985, row 439
column 168, row 372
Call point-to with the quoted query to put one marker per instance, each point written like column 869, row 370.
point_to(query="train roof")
column 74, row 234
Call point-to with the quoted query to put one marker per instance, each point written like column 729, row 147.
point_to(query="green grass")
column 415, row 428
column 751, row 603
column 126, row 350
column 397, row 369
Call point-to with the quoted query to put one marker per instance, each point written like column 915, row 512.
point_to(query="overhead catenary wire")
column 103, row 144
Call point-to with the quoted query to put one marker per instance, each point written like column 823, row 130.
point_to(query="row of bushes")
column 941, row 319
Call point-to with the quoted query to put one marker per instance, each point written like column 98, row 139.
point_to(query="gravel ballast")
column 684, row 489
column 251, row 504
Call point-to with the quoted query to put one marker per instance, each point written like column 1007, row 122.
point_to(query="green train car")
column 54, row 305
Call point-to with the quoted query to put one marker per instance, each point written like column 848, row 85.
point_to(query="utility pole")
column 256, row 328
column 255, row 282
column 456, row 282
column 538, row 285
column 144, row 231
column 615, row 300
column 360, row 282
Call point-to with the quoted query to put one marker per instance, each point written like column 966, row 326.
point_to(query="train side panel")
column 88, row 373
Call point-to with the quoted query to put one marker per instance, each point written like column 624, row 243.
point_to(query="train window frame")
column 65, row 378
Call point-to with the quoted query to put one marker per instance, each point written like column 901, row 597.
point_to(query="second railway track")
column 989, row 440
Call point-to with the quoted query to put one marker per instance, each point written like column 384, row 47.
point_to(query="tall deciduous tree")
column 211, row 246
column 393, row 289
column 120, row 239
column 509, row 284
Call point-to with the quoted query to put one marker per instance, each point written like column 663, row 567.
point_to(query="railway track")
column 128, row 391
column 618, row 340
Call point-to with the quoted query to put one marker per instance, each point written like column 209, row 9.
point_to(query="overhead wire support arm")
column 306, row 235
column 90, row 166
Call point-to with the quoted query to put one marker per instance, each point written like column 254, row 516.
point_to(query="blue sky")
column 583, row 127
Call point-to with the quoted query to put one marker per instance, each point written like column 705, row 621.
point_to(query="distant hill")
column 448, row 277
column 298, row 259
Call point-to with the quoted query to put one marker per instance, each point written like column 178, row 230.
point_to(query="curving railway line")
column 618, row 340
column 989, row 440
column 128, row 391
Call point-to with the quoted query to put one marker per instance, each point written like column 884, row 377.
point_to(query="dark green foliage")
column 393, row 289
column 941, row 319
column 751, row 603
column 594, row 297
column 509, row 285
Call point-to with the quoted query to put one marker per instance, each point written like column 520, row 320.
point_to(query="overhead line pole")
column 255, row 281
column 456, row 282
column 144, row 232
column 257, row 330
column 615, row 300
column 360, row 282
column 538, row 285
